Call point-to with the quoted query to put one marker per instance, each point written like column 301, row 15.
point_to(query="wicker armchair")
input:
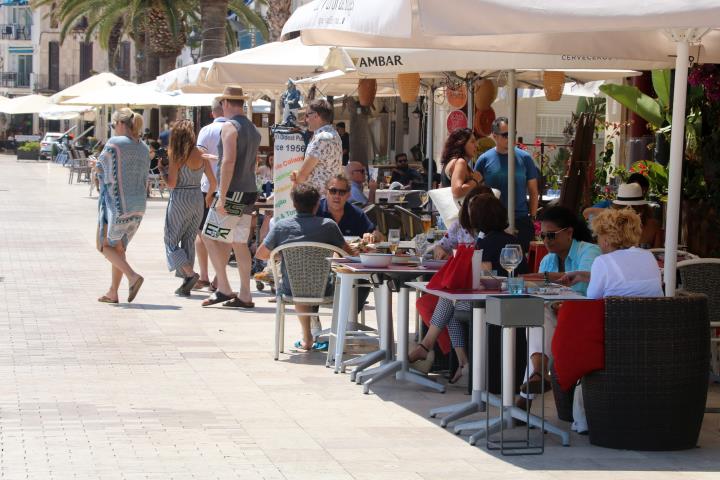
column 702, row 275
column 651, row 394
column 308, row 272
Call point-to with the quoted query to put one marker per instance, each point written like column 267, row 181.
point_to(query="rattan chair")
column 651, row 394
column 411, row 223
column 308, row 272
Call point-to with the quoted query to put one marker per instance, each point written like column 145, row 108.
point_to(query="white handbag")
column 447, row 206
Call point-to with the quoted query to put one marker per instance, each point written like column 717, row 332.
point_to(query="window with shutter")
column 86, row 60
column 53, row 66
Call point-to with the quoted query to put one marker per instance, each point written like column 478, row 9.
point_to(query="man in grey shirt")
column 239, row 142
column 305, row 227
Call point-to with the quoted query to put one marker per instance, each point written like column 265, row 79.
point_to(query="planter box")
column 31, row 155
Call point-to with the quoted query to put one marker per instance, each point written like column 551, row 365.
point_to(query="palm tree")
column 217, row 37
column 277, row 14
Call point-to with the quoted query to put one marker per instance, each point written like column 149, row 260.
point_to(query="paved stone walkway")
column 163, row 389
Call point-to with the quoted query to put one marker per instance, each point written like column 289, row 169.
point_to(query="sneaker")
column 315, row 326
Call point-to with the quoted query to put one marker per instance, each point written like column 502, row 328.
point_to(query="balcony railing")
column 14, row 31
column 14, row 80
column 44, row 83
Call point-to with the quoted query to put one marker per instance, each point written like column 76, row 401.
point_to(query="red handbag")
column 456, row 274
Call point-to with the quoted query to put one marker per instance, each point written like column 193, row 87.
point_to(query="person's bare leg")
column 116, row 278
column 201, row 252
column 539, row 364
column 244, row 264
column 307, row 338
column 265, row 227
column 219, row 254
column 428, row 341
column 116, row 256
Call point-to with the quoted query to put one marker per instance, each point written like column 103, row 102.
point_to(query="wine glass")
column 394, row 239
column 510, row 258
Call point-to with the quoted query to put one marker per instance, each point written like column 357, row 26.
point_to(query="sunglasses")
column 551, row 235
column 359, row 171
column 336, row 191
column 503, row 135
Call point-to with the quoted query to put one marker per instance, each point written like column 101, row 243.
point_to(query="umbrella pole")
column 429, row 135
column 470, row 102
column 672, row 227
column 512, row 97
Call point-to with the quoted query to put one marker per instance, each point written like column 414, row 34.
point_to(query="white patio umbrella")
column 66, row 112
column 271, row 64
column 651, row 30
column 97, row 82
column 190, row 79
column 25, row 104
column 144, row 94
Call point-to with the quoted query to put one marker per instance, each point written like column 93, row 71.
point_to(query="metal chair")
column 680, row 253
column 702, row 275
column 308, row 272
column 156, row 182
column 411, row 223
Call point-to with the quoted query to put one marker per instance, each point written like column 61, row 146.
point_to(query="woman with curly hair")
column 185, row 208
column 455, row 171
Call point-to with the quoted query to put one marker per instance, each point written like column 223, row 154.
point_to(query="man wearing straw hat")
column 237, row 150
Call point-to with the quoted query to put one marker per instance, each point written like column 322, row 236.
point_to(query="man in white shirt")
column 207, row 141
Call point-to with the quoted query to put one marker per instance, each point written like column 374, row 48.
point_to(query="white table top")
column 357, row 267
column 479, row 295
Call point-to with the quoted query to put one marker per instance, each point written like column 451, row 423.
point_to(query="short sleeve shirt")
column 326, row 146
column 494, row 168
column 580, row 258
column 208, row 139
column 354, row 222
column 631, row 272
column 357, row 195
column 304, row 228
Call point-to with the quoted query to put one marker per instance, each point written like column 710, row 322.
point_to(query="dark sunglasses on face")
column 336, row 191
column 503, row 135
column 551, row 235
column 359, row 171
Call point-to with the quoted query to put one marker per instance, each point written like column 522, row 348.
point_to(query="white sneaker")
column 315, row 327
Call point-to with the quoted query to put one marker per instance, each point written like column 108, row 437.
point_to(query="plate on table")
column 432, row 263
column 411, row 260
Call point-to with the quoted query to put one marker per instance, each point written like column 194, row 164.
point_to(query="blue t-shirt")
column 580, row 259
column 494, row 168
column 354, row 222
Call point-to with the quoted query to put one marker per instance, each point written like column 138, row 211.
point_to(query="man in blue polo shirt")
column 493, row 165
column 353, row 222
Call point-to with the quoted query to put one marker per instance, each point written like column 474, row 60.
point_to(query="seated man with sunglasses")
column 493, row 165
column 357, row 173
column 353, row 222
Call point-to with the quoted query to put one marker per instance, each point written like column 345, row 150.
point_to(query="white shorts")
column 241, row 232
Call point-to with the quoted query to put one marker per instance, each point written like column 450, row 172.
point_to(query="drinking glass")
column 510, row 258
column 388, row 178
column 426, row 220
column 394, row 239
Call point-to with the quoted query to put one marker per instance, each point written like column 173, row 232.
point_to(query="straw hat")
column 232, row 93
column 630, row 194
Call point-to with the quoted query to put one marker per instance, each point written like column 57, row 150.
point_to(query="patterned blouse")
column 326, row 146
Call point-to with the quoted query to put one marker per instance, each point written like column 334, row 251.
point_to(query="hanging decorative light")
column 408, row 86
column 367, row 88
column 553, row 82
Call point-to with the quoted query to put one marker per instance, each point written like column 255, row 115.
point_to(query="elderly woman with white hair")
column 623, row 270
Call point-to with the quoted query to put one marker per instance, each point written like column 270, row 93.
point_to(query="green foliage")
column 634, row 100
column 29, row 147
column 657, row 175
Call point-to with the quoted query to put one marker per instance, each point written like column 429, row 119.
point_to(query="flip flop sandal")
column 106, row 299
column 298, row 345
column 200, row 284
column 187, row 285
column 134, row 289
column 237, row 303
column 320, row 346
column 217, row 297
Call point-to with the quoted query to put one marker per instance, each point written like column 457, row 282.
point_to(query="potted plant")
column 29, row 151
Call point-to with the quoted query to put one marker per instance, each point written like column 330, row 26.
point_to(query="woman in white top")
column 623, row 270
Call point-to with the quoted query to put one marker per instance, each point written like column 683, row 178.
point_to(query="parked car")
column 46, row 144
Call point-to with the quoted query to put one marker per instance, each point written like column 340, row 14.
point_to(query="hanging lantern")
column 457, row 96
column 483, row 120
column 408, row 86
column 484, row 94
column 553, row 83
column 367, row 87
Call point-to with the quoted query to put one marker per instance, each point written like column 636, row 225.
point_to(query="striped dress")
column 184, row 213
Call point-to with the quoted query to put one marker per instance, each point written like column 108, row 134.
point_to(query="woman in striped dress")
column 185, row 209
